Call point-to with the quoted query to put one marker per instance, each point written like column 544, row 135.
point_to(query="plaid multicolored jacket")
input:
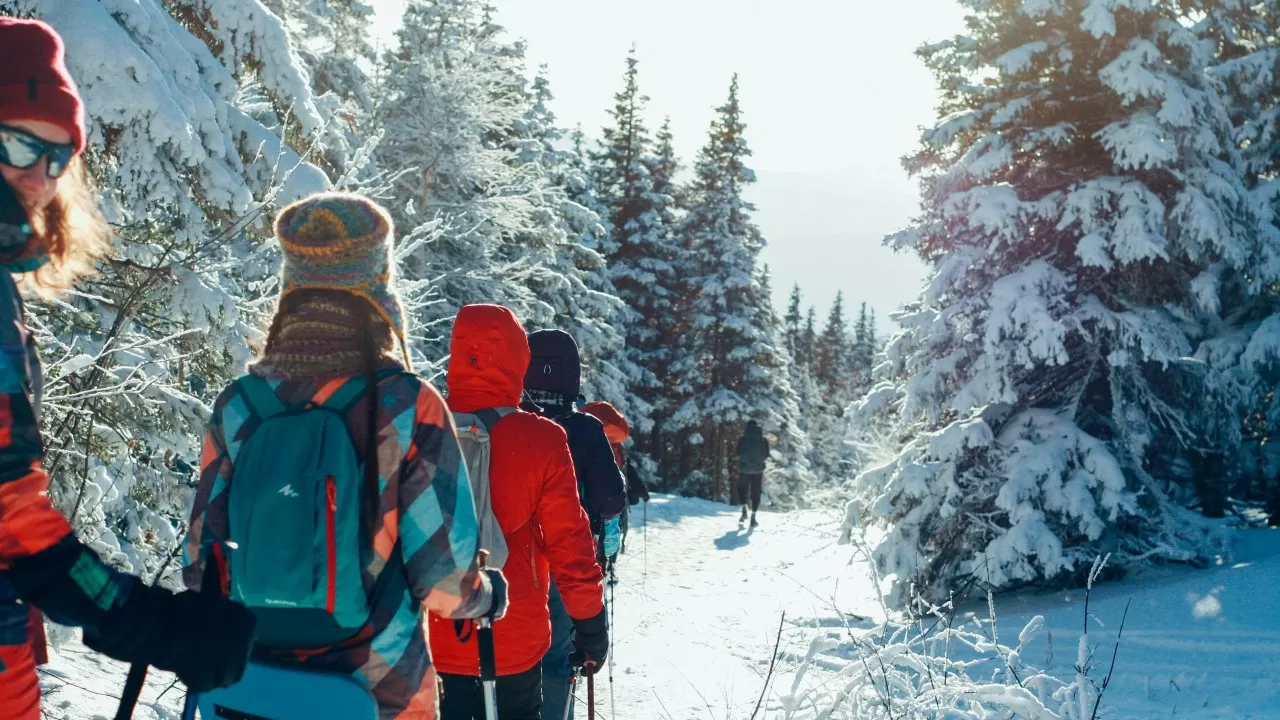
column 426, row 515
column 28, row 522
column 40, row 558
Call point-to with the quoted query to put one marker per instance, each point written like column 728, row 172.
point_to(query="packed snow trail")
column 698, row 612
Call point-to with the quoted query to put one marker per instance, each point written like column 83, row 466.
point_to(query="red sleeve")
column 566, row 532
column 28, row 521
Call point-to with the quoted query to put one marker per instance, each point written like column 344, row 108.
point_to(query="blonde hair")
column 74, row 231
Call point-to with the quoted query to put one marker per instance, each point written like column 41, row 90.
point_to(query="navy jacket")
column 599, row 478
column 553, row 380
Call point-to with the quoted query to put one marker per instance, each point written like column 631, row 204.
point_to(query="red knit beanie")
column 34, row 82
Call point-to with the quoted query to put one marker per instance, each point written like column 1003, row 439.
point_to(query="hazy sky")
column 833, row 97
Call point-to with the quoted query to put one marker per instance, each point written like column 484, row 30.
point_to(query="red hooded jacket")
column 534, row 495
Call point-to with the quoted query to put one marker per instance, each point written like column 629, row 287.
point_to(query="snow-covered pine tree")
column 832, row 363
column 669, row 204
column 332, row 37
column 835, row 374
column 641, row 248
column 484, row 193
column 784, row 405
column 564, row 268
column 727, row 364
column 1247, row 354
column 780, row 402
column 1086, row 224
column 177, row 95
column 809, row 394
column 808, row 338
column 793, row 321
column 664, row 166
column 863, row 350
column 448, row 105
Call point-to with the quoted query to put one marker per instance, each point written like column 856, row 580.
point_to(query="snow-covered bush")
column 905, row 672
column 942, row 665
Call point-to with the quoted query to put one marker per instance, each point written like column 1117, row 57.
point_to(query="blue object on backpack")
column 267, row 692
column 295, row 515
column 612, row 536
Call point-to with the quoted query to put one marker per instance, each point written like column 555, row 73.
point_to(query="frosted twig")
column 773, row 662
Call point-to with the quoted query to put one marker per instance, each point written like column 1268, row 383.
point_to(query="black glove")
column 203, row 638
column 591, row 643
column 498, row 582
column 636, row 490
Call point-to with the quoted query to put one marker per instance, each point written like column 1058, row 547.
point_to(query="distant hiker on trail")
column 552, row 384
column 753, row 453
column 617, row 430
column 340, row 556
column 51, row 233
column 534, row 496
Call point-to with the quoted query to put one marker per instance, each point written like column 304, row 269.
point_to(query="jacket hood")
column 753, row 429
column 615, row 425
column 554, row 364
column 488, row 356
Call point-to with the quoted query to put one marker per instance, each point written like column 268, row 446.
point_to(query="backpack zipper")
column 331, row 509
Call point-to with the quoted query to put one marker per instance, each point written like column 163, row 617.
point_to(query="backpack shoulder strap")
column 260, row 396
column 351, row 390
column 354, row 388
column 488, row 417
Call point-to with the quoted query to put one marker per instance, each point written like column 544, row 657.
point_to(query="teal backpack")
column 298, row 500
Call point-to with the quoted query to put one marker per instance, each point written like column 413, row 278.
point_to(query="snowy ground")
column 81, row 685
column 699, row 604
column 695, row 632
column 1196, row 644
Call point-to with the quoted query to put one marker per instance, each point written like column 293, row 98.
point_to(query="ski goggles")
column 22, row 150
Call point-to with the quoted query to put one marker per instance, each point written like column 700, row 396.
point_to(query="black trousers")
column 754, row 484
column 519, row 696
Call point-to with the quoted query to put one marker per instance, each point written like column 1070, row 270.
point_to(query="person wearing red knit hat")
column 50, row 235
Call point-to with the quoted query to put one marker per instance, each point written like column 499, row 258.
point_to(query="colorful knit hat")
column 342, row 241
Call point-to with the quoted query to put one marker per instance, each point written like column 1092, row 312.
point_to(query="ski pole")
column 613, row 630
column 645, row 550
column 591, row 691
column 189, row 707
column 488, row 663
column 568, row 703
column 132, row 691
column 138, row 671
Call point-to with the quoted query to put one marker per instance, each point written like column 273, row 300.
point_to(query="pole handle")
column 484, row 636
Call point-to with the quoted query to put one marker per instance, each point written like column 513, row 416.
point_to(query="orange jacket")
column 615, row 426
column 534, row 494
